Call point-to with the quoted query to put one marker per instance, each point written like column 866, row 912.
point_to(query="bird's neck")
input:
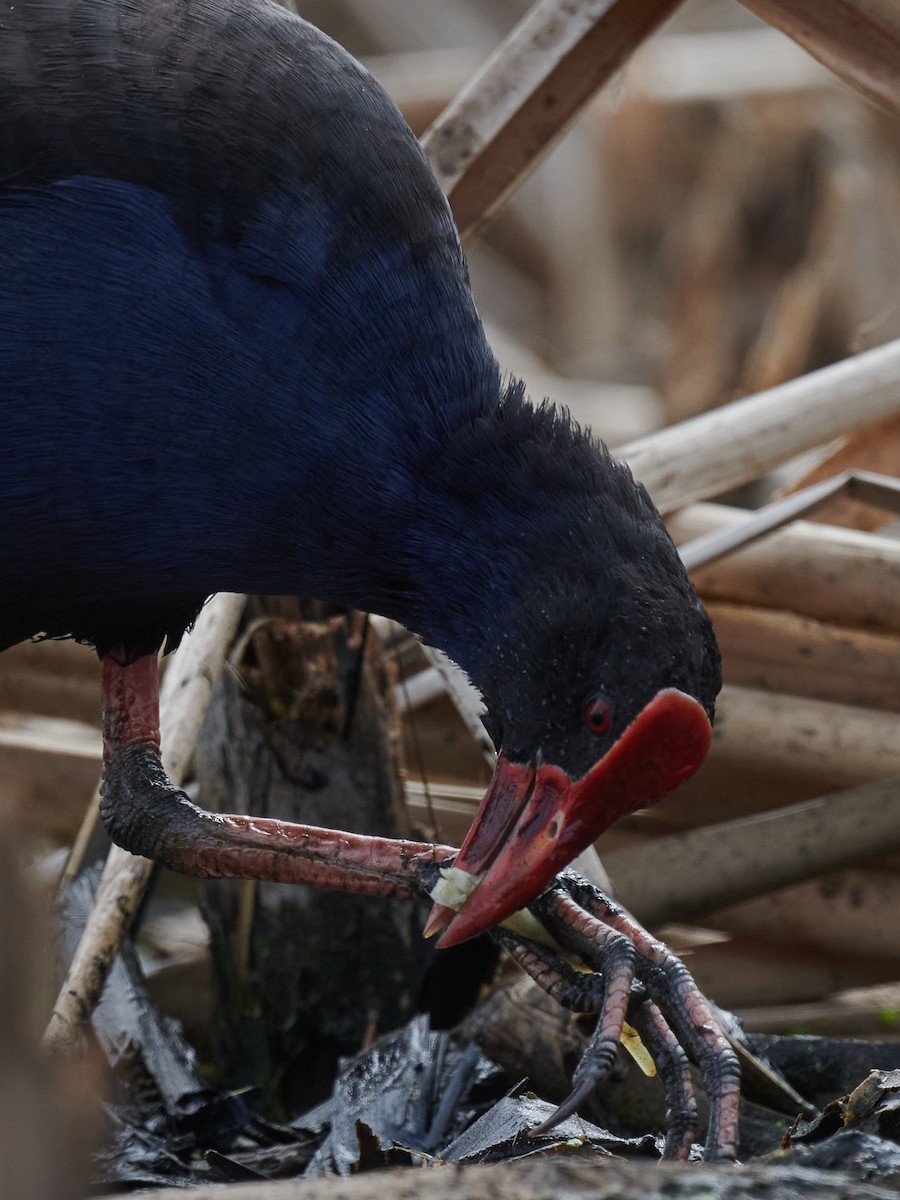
column 471, row 522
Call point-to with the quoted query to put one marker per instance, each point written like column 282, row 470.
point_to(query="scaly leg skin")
column 610, row 990
column 612, row 959
column 147, row 815
column 674, row 1070
column 144, row 813
column 681, row 1016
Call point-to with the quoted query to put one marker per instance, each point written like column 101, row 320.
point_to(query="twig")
column 857, row 39
column 837, row 575
column 684, row 877
column 507, row 117
column 185, row 695
column 741, row 441
column 82, row 839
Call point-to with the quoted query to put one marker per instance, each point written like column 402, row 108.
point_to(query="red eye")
column 597, row 714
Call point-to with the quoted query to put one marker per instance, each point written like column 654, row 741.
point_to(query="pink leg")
column 607, row 990
column 147, row 815
column 613, row 957
column 674, row 1070
column 688, row 1012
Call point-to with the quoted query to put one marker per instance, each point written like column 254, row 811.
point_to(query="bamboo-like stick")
column 186, row 690
column 882, row 491
column 835, row 575
column 667, row 69
column 684, row 877
column 856, row 914
column 857, row 39
column 858, row 1013
column 797, row 736
column 528, row 92
column 783, row 652
column 739, row 442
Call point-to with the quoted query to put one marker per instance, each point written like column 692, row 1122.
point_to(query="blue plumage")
column 239, row 352
column 191, row 400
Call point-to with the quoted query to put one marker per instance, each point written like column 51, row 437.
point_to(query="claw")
column 686, row 1016
column 574, row 941
column 588, row 955
column 579, row 1096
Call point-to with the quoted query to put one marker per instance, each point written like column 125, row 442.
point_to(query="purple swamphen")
column 238, row 351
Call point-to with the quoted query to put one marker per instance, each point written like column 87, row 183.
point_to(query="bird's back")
column 211, row 102
column 228, row 282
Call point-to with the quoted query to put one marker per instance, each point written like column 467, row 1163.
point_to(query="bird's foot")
column 580, row 946
column 631, row 977
column 146, row 814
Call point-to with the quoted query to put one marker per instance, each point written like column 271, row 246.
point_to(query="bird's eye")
column 597, row 714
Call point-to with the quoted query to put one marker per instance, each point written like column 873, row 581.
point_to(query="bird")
column 240, row 352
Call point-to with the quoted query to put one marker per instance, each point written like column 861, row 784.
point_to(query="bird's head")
column 600, row 689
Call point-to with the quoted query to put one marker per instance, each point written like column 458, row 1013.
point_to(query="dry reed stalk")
column 528, row 92
column 781, row 652
column 793, row 735
column 834, row 575
column 743, row 440
column 857, row 39
column 690, row 875
column 184, row 698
